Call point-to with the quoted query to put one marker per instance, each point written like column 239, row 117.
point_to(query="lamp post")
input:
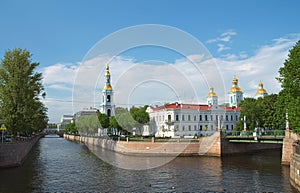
column 245, row 125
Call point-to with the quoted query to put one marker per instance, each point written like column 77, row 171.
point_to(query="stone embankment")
column 213, row 145
column 14, row 154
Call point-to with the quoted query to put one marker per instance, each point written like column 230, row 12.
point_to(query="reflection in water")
column 56, row 165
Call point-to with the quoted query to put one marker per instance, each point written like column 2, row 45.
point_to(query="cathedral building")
column 177, row 119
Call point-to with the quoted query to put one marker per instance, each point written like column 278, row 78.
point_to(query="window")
column 200, row 127
column 226, row 117
column 182, row 118
column 236, row 117
column 205, row 117
column 195, row 127
column 200, row 117
column 217, row 117
column 189, row 117
column 108, row 98
column 190, row 128
column 226, row 127
column 182, row 127
column 108, row 112
column 231, row 117
column 195, row 118
column 231, row 127
column 211, row 117
column 177, row 118
column 169, row 118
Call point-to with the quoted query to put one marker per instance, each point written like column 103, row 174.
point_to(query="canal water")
column 58, row 165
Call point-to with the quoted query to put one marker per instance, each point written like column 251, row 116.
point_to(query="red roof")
column 191, row 106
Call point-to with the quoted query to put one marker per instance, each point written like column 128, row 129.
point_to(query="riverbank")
column 14, row 154
column 213, row 145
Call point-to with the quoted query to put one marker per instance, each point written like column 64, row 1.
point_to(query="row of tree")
column 21, row 91
column 270, row 111
column 123, row 122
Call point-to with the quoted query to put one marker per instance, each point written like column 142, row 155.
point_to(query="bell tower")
column 235, row 93
column 212, row 98
column 107, row 106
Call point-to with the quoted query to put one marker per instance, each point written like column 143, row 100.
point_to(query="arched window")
column 108, row 98
column 108, row 112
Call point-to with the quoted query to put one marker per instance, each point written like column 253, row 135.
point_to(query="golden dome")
column 261, row 91
column 107, row 87
column 234, row 80
column 235, row 89
column 211, row 92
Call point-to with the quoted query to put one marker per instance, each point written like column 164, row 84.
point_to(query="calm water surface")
column 58, row 165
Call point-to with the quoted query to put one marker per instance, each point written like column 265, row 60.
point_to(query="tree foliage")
column 88, row 124
column 71, row 128
column 103, row 120
column 289, row 77
column 20, row 91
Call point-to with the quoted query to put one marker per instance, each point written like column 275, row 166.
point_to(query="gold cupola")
column 211, row 92
column 107, row 85
column 235, row 87
column 261, row 90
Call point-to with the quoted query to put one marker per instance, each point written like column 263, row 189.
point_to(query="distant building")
column 261, row 92
column 86, row 111
column 65, row 119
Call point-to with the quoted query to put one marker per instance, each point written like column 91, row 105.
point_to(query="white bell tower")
column 107, row 106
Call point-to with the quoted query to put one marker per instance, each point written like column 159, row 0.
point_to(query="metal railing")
column 266, row 133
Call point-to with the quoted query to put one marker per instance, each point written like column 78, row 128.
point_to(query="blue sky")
column 236, row 33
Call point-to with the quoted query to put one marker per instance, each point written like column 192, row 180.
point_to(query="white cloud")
column 224, row 37
column 154, row 82
column 222, row 47
column 60, row 73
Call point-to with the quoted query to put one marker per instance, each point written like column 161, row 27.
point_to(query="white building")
column 86, row 111
column 65, row 119
column 177, row 119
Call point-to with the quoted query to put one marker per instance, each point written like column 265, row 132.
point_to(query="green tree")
column 289, row 77
column 71, row 128
column 20, row 92
column 113, row 124
column 104, row 120
column 253, row 112
column 140, row 116
column 268, row 111
column 88, row 124
column 289, row 74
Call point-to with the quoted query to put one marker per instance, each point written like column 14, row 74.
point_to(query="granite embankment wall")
column 287, row 149
column 205, row 146
column 295, row 171
column 14, row 154
column 213, row 145
column 291, row 157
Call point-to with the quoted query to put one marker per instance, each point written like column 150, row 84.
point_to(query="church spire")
column 235, row 93
column 107, row 106
column 107, row 85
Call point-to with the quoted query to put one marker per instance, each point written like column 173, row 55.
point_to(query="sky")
column 249, row 39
